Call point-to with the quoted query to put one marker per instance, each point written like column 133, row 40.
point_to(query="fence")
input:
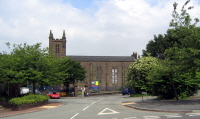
column 110, row 88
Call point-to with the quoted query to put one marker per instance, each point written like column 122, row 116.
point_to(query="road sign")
column 145, row 93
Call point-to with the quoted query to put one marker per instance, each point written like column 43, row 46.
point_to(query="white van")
column 24, row 90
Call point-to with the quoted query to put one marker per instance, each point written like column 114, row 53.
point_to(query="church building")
column 103, row 72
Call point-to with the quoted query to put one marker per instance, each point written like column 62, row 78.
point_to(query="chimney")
column 134, row 55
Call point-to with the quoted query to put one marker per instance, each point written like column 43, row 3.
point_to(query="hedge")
column 31, row 98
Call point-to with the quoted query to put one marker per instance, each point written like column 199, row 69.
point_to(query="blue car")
column 127, row 91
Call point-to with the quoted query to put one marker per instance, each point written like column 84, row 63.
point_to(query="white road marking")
column 131, row 118
column 193, row 114
column 74, row 115
column 151, row 117
column 111, row 112
column 93, row 103
column 85, row 108
column 172, row 116
column 100, row 99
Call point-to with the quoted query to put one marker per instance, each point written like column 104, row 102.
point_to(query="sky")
column 92, row 27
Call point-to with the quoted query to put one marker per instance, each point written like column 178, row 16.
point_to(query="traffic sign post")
column 144, row 93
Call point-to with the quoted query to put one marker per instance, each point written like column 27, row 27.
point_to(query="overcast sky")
column 92, row 27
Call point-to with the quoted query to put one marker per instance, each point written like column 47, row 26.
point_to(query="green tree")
column 186, row 52
column 11, row 73
column 177, row 78
column 167, row 83
column 36, row 62
column 183, row 19
column 70, row 71
column 155, row 47
column 160, row 44
column 138, row 72
column 26, row 64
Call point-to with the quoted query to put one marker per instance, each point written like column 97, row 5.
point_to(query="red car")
column 54, row 95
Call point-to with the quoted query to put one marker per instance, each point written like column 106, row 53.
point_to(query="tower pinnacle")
column 50, row 34
column 63, row 37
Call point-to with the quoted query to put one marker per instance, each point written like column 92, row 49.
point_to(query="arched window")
column 114, row 75
column 57, row 48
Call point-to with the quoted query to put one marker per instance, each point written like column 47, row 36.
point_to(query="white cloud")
column 114, row 27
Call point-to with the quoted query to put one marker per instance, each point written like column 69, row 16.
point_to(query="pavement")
column 6, row 112
column 147, row 104
column 173, row 106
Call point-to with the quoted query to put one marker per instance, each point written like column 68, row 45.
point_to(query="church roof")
column 103, row 58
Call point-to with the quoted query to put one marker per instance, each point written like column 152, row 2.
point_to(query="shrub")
column 79, row 93
column 94, row 91
column 31, row 98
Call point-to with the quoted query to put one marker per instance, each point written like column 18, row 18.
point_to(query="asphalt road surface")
column 100, row 107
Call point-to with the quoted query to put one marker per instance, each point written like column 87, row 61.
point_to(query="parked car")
column 54, row 95
column 36, row 92
column 127, row 91
column 24, row 90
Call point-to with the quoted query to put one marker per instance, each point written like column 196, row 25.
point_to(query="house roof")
column 103, row 58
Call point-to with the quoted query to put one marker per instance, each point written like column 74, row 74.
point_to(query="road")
column 100, row 107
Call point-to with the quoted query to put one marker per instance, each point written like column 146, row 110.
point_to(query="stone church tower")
column 57, row 46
